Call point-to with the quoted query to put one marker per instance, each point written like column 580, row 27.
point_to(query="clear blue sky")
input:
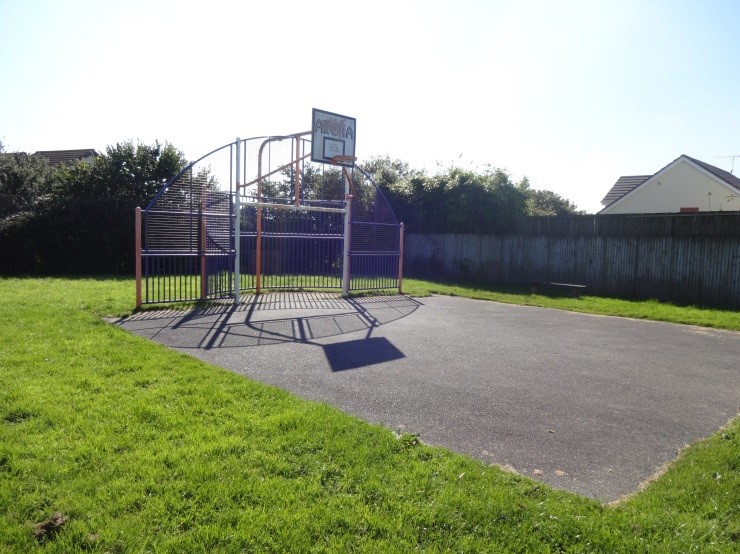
column 571, row 94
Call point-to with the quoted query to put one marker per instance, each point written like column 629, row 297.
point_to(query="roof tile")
column 623, row 185
column 57, row 157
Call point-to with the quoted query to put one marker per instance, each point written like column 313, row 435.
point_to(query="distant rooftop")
column 56, row 157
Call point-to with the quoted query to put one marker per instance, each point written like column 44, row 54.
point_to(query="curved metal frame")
column 236, row 186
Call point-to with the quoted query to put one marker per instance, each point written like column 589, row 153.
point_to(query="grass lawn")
column 111, row 443
column 640, row 309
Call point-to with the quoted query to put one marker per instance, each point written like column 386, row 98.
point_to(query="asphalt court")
column 590, row 404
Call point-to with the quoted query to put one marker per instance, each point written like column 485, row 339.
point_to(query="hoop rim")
column 337, row 160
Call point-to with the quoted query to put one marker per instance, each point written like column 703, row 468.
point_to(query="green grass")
column 110, row 443
column 640, row 309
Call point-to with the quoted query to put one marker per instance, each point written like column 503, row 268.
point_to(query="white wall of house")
column 682, row 185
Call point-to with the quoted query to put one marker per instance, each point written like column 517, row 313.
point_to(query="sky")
column 571, row 94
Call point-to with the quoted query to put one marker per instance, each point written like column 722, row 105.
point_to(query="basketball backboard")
column 333, row 138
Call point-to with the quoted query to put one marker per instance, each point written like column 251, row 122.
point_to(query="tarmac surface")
column 590, row 404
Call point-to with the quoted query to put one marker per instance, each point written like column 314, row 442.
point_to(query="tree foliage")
column 127, row 171
column 546, row 202
column 318, row 182
column 458, row 200
column 78, row 218
column 25, row 175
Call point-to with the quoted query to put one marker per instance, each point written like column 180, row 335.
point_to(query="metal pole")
column 137, row 247
column 297, row 171
column 203, row 245
column 401, row 232
column 258, row 244
column 291, row 207
column 237, row 224
column 347, row 215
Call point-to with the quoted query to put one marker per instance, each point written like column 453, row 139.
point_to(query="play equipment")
column 258, row 214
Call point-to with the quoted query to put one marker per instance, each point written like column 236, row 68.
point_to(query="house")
column 56, row 157
column 684, row 185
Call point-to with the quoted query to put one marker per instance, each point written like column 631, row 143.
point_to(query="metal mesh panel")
column 199, row 197
column 187, row 240
column 375, row 237
column 374, row 225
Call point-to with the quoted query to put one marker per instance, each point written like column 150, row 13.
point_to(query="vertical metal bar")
column 345, row 253
column 258, row 245
column 203, row 269
column 297, row 171
column 165, row 284
column 401, row 232
column 237, row 225
column 137, row 248
column 191, row 246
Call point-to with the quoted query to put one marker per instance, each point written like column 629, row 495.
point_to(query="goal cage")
column 259, row 214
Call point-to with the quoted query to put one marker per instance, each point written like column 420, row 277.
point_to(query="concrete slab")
column 589, row 404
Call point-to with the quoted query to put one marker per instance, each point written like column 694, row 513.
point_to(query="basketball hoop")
column 343, row 160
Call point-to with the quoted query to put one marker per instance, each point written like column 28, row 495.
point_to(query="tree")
column 81, row 217
column 386, row 172
column 127, row 171
column 546, row 202
column 396, row 180
column 453, row 201
column 24, row 175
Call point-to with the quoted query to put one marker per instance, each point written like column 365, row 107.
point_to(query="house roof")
column 57, row 157
column 726, row 176
column 627, row 184
column 623, row 185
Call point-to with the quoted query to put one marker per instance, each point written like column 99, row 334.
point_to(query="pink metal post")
column 297, row 171
column 400, row 259
column 137, row 247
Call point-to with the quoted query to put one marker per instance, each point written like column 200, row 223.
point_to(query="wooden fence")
column 685, row 258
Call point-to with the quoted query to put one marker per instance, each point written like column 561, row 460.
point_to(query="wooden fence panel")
column 717, row 224
column 691, row 260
